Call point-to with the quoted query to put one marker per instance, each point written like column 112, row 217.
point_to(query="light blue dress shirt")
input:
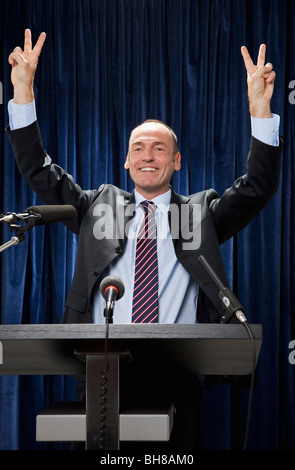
column 177, row 292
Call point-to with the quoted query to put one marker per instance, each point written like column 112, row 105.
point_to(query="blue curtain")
column 106, row 66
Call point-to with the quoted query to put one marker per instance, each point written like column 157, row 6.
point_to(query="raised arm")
column 251, row 192
column 50, row 182
column 24, row 64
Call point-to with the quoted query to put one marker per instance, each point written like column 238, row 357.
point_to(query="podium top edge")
column 133, row 331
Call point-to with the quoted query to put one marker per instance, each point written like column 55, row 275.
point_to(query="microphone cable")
column 104, row 391
column 250, row 400
column 111, row 288
column 232, row 306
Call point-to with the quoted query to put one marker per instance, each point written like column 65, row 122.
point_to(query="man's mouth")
column 148, row 168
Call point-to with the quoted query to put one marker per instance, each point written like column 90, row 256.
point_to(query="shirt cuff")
column 266, row 130
column 21, row 115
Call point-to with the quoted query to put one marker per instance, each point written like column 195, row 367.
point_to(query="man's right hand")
column 24, row 64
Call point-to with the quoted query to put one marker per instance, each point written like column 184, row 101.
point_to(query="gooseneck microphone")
column 41, row 215
column 229, row 301
column 112, row 289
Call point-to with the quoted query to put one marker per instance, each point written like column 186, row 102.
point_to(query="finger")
column 268, row 69
column 18, row 49
column 247, row 60
column 261, row 55
column 269, row 66
column 17, row 57
column 28, row 40
column 39, row 44
column 11, row 60
column 271, row 78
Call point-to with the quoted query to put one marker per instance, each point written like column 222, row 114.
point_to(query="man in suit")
column 152, row 158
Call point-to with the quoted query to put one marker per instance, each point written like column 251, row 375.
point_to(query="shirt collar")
column 162, row 201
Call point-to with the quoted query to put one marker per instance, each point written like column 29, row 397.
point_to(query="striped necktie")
column 145, row 294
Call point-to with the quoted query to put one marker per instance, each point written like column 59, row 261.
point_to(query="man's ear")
column 177, row 165
column 126, row 164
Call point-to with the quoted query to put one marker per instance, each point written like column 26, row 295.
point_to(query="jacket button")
column 118, row 249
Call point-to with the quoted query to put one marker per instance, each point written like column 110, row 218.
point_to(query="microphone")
column 34, row 215
column 112, row 289
column 42, row 215
column 228, row 299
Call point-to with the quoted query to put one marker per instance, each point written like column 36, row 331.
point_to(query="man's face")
column 151, row 159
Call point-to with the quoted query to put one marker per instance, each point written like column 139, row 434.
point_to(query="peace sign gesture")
column 260, row 79
column 24, row 64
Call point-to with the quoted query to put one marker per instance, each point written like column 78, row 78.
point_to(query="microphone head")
column 50, row 214
column 112, row 281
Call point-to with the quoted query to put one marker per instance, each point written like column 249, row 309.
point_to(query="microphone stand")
column 20, row 231
column 108, row 311
column 15, row 240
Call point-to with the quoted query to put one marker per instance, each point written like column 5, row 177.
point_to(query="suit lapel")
column 125, row 211
column 208, row 247
column 176, row 222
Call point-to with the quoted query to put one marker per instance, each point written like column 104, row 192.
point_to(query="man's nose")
column 148, row 155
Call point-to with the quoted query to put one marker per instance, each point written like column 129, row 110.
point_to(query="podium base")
column 67, row 422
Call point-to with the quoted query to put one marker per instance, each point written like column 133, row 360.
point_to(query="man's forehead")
column 151, row 130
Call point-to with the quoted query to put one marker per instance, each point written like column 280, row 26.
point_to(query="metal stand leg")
column 98, row 438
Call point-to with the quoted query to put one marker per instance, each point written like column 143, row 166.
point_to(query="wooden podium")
column 74, row 349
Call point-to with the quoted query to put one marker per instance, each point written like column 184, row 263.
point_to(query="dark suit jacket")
column 222, row 217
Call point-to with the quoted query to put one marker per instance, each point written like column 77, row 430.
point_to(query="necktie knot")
column 148, row 206
column 149, row 227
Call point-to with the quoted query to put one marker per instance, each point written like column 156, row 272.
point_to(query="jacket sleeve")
column 249, row 193
column 50, row 182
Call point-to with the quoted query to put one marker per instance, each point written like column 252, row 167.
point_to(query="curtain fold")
column 106, row 66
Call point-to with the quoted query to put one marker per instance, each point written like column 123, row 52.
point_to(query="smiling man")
column 152, row 158
column 177, row 284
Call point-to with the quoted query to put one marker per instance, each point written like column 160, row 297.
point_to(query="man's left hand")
column 260, row 79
